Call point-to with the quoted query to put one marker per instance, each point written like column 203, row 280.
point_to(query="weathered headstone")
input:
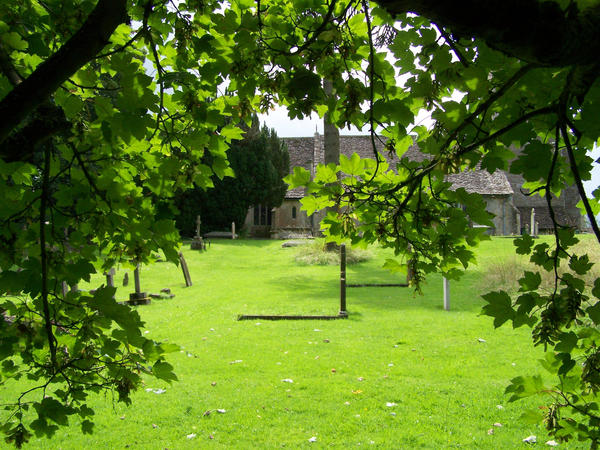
column 110, row 278
column 138, row 297
column 186, row 272
column 198, row 242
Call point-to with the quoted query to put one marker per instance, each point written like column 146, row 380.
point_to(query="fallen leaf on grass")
column 346, row 403
column 391, row 365
column 530, row 439
column 316, row 329
column 390, row 404
column 221, row 411
column 499, row 406
column 313, row 439
column 358, row 391
column 214, row 383
column 191, row 436
column 481, row 340
column 326, row 341
column 360, row 379
column 393, row 414
column 333, row 370
column 552, row 443
column 154, row 425
column 287, row 380
column 498, row 424
column 237, row 361
column 491, row 431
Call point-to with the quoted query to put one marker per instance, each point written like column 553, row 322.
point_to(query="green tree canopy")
column 260, row 161
column 108, row 105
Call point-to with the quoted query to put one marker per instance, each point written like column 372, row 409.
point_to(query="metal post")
column 343, row 311
column 446, row 294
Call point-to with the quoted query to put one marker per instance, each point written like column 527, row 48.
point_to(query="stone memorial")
column 138, row 297
column 198, row 242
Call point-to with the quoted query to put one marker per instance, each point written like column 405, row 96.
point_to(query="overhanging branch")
column 92, row 37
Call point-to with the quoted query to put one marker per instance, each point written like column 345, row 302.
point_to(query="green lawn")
column 399, row 373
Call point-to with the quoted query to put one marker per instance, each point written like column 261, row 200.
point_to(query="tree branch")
column 92, row 37
column 531, row 30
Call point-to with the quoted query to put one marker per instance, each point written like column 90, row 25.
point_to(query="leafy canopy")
column 108, row 106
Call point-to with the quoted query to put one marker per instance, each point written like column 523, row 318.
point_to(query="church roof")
column 304, row 150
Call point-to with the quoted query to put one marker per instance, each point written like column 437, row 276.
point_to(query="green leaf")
column 87, row 427
column 164, row 371
column 351, row 166
column 522, row 387
column 394, row 266
column 524, row 244
column 530, row 281
column 299, row 177
column 593, row 313
column 500, row 307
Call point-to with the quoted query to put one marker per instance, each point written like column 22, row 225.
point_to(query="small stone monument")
column 138, row 297
column 198, row 242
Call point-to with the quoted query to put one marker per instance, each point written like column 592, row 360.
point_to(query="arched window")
column 293, row 212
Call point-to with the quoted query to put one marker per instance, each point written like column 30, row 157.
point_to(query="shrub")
column 316, row 253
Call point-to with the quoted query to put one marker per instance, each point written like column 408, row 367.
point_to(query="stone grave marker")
column 138, row 297
column 198, row 242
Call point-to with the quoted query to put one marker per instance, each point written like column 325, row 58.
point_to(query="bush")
column 316, row 253
column 505, row 273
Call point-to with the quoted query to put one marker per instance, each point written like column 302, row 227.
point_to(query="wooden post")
column 343, row 311
column 186, row 272
column 446, row 294
column 232, row 230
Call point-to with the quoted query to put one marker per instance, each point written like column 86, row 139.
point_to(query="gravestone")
column 532, row 222
column 198, row 242
column 186, row 272
column 110, row 279
column 138, row 297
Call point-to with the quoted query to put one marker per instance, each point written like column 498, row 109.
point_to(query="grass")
column 443, row 384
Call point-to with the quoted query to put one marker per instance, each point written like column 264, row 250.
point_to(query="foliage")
column 259, row 161
column 106, row 107
column 315, row 252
